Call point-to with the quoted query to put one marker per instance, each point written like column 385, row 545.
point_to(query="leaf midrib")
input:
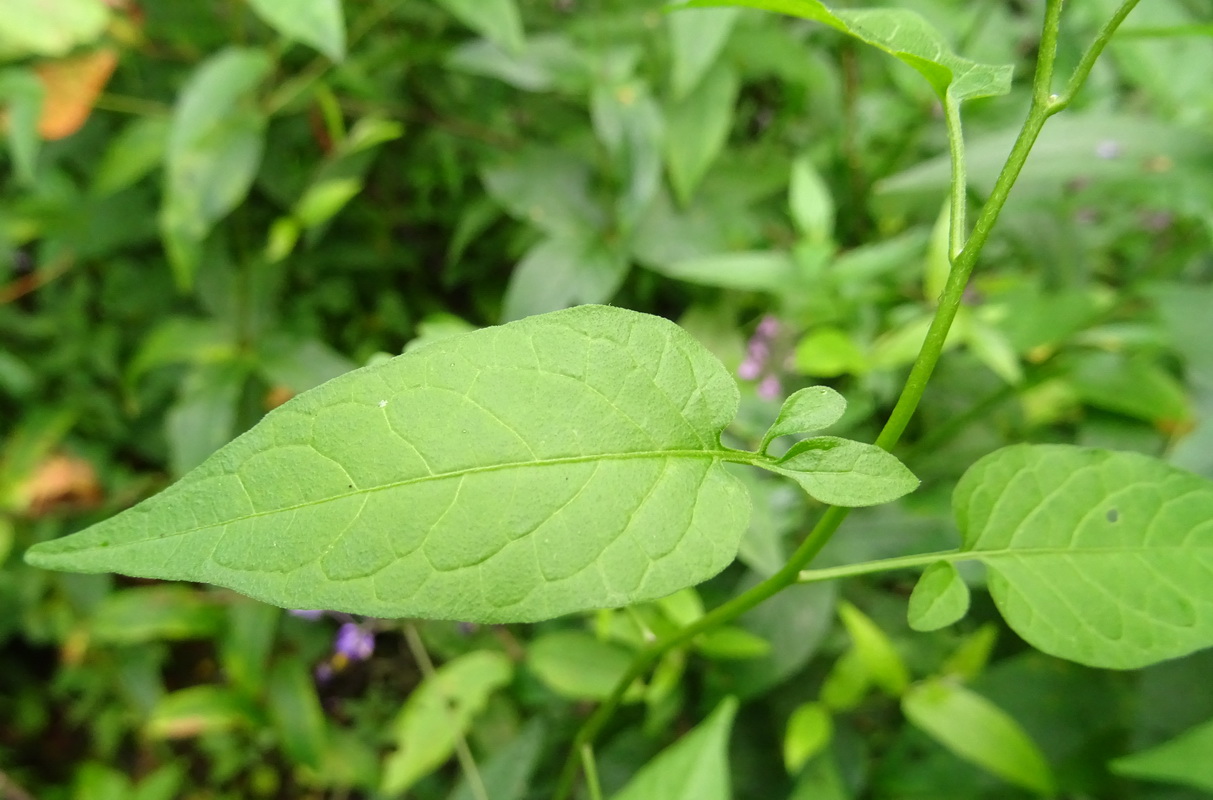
column 739, row 456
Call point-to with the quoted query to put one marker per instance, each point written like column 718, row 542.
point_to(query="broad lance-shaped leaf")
column 902, row 34
column 1099, row 557
column 559, row 463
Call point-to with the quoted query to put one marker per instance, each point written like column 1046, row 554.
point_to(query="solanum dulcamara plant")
column 573, row 461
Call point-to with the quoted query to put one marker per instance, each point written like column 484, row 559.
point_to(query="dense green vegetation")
column 209, row 208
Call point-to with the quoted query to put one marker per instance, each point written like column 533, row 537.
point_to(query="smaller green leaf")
column 94, row 781
column 496, row 20
column 546, row 187
column 810, row 202
column 940, row 598
column 296, row 713
column 847, row 683
column 150, row 613
column 214, row 150
column 757, row 271
column 731, row 643
column 203, row 418
column 809, row 731
column 21, row 96
column 696, row 767
column 810, row 409
column 979, row 732
column 828, row 352
column 563, row 271
column 132, row 154
column 821, row 780
column 245, row 646
column 1184, row 760
column 938, row 261
column 201, row 710
column 8, row 534
column 576, row 665
column 1134, row 386
column 698, row 127
column 992, row 348
column 50, row 27
column 507, row 771
column 319, row 23
column 969, row 659
column 845, row 473
column 440, row 711
column 875, row 651
column 696, row 39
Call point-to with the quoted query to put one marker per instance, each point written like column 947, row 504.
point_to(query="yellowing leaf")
column 72, row 87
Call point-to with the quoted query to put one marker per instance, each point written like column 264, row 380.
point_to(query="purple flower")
column 770, row 388
column 354, row 642
column 758, row 358
column 749, row 369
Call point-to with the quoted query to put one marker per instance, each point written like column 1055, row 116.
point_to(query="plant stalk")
column 1044, row 105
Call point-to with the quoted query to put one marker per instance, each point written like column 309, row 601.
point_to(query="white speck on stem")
column 383, row 404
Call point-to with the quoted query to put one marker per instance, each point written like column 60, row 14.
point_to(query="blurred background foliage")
column 208, row 207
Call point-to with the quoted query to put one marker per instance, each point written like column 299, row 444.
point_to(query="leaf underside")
column 555, row 464
column 1099, row 557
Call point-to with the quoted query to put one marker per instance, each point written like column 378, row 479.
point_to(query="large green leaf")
column 1100, row 557
column 696, row 767
column 904, row 35
column 559, row 463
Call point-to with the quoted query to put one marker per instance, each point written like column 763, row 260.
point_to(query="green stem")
column 591, row 772
column 885, row 565
column 1043, row 106
column 1087, row 62
column 960, row 182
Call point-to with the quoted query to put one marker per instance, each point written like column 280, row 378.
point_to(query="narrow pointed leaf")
column 810, row 409
column 902, row 34
column 845, row 473
column 696, row 767
column 318, row 23
column 809, row 731
column 1184, row 760
column 696, row 40
column 697, row 128
column 978, row 731
column 496, row 20
column 875, row 651
column 1099, row 557
column 555, row 464
column 940, row 598
column 439, row 713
